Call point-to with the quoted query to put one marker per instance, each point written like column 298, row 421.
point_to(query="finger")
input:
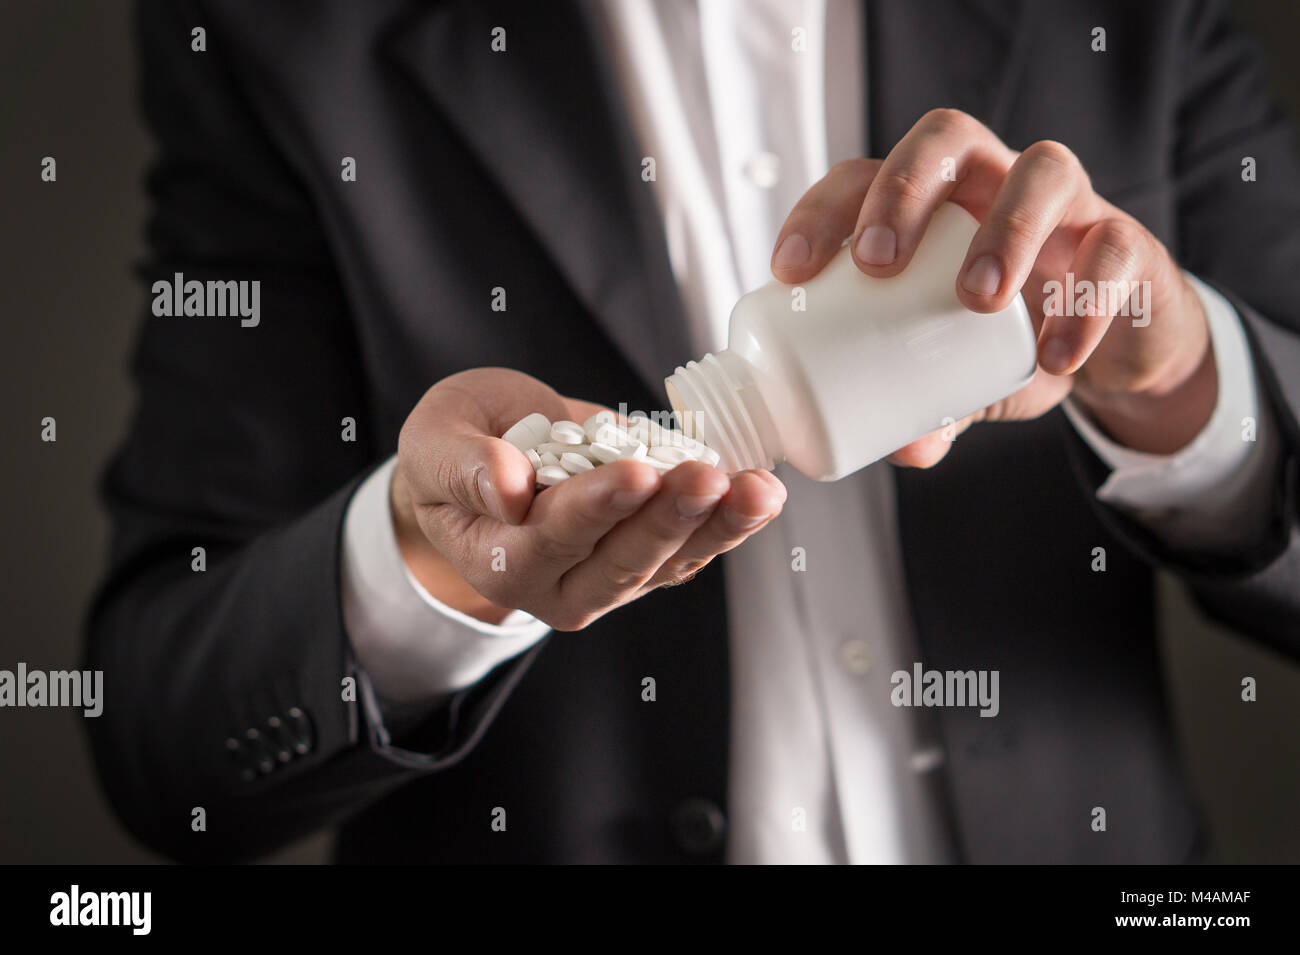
column 474, row 473
column 945, row 151
column 491, row 400
column 929, row 449
column 817, row 226
column 630, row 554
column 1037, row 193
column 1114, row 254
column 565, row 523
column 754, row 499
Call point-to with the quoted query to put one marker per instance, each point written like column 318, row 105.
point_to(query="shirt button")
column 927, row 760
column 698, row 826
column 854, row 656
column 763, row 169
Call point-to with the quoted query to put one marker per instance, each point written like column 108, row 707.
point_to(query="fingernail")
column 877, row 245
column 489, row 494
column 793, row 251
column 1056, row 355
column 984, row 277
column 628, row 500
column 692, row 506
column 742, row 522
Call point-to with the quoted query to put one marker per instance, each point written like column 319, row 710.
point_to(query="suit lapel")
column 541, row 117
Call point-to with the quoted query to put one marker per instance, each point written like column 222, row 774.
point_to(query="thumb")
column 482, row 475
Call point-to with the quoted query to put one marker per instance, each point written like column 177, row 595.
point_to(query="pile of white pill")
column 560, row 449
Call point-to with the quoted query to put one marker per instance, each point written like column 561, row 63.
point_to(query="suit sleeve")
column 229, row 678
column 1240, row 236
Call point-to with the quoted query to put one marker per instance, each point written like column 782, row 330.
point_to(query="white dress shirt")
column 742, row 114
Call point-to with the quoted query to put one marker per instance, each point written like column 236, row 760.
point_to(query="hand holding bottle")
column 1152, row 384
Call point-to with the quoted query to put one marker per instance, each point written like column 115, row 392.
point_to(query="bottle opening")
column 716, row 402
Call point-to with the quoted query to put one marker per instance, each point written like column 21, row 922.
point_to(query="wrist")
column 1170, row 409
column 1161, row 420
column 426, row 563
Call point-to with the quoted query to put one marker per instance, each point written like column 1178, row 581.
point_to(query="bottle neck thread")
column 717, row 401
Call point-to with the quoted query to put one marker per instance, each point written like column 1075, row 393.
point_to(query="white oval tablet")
column 534, row 457
column 550, row 475
column 671, row 454
column 549, row 459
column 558, row 449
column 678, row 440
column 568, row 432
column 639, row 429
column 597, row 421
column 575, row 463
column 604, row 453
column 612, row 435
column 528, row 431
column 661, row 434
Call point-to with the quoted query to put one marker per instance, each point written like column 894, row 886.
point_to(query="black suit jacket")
column 477, row 170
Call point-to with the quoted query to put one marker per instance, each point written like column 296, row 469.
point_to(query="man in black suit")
column 493, row 153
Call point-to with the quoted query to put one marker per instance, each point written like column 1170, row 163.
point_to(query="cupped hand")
column 478, row 537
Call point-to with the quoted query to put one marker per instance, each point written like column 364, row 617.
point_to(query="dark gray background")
column 70, row 308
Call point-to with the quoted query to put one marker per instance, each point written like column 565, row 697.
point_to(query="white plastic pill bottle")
column 845, row 369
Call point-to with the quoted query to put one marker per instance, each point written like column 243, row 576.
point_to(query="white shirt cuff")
column 411, row 646
column 1215, row 492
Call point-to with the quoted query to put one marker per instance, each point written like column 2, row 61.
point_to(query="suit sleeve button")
column 304, row 737
column 257, row 745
